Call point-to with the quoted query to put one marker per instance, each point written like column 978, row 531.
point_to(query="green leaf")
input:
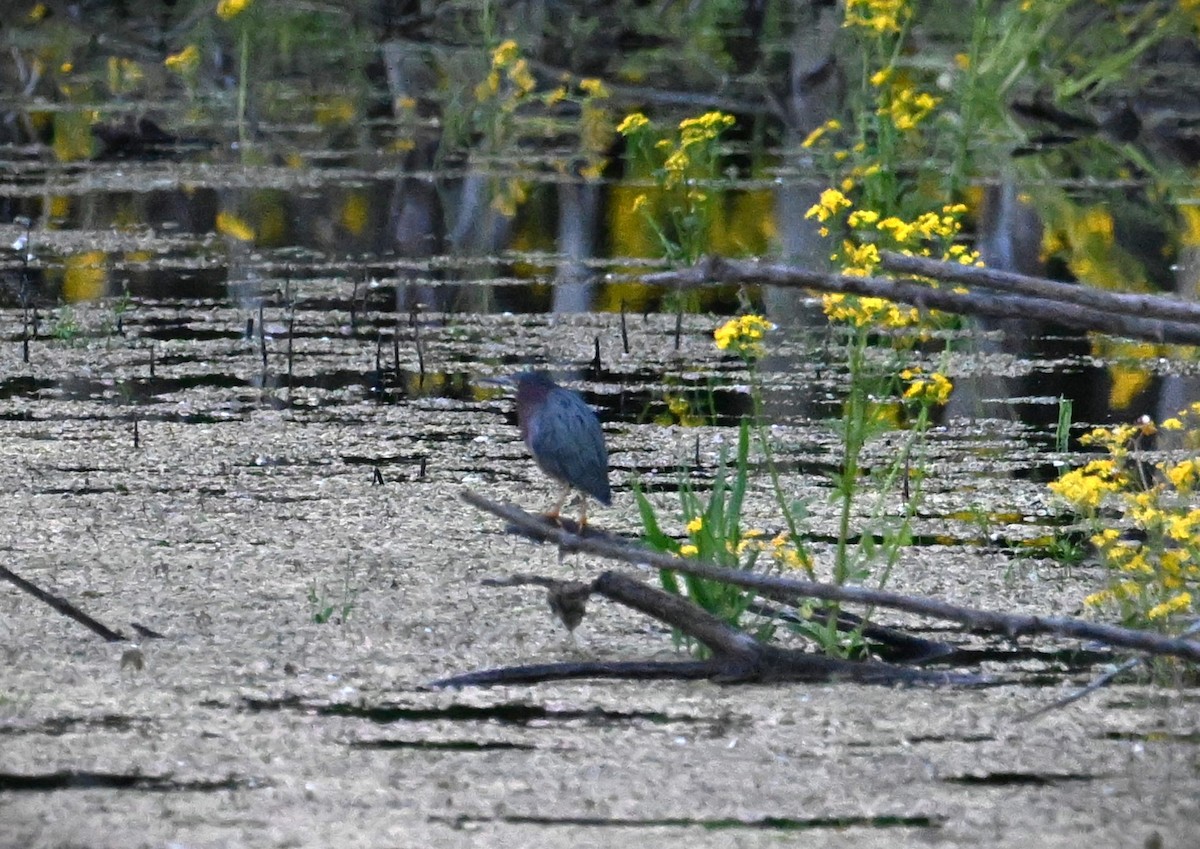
column 651, row 533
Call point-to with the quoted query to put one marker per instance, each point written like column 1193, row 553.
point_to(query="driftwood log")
column 1152, row 317
column 737, row 657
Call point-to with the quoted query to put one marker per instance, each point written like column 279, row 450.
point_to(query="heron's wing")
column 568, row 444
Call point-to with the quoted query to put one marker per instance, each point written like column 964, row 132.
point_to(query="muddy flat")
column 242, row 517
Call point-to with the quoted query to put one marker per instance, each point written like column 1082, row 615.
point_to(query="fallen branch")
column 568, row 602
column 1142, row 306
column 753, row 272
column 788, row 590
column 736, row 657
column 63, row 606
column 1103, row 681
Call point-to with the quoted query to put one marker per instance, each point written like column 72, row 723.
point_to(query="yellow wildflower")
column 1177, row 604
column 521, row 77
column 788, row 557
column 1115, row 440
column 229, row 9
column 877, row 16
column 633, row 122
column 488, row 86
column 688, row 550
column 864, row 311
column 705, row 128
column 832, row 125
column 907, row 107
column 859, row 260
column 934, row 389
column 695, row 524
column 1086, row 487
column 901, row 231
column 743, row 335
column 185, row 61
column 1185, row 528
column 505, row 53
column 862, row 216
column 230, row 225
column 1184, row 475
column 831, row 202
column 593, row 87
column 676, row 164
column 1137, row 564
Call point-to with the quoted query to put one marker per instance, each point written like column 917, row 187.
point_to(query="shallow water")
column 208, row 355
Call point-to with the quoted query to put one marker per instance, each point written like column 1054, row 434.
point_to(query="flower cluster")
column 706, row 128
column 684, row 163
column 185, row 62
column 743, row 336
column 692, row 150
column 878, row 16
column 934, row 388
column 830, row 126
column 1087, row 487
column 905, row 107
column 229, row 224
column 507, row 64
column 1154, row 572
column 229, row 9
column 508, row 86
column 781, row 549
column 632, row 123
column 861, row 311
column 869, row 232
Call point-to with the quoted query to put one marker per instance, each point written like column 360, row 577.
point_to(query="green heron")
column 565, row 439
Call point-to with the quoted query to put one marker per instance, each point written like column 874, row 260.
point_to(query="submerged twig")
column 291, row 331
column 262, row 336
column 1101, row 682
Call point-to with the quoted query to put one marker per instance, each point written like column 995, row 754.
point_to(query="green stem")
column 243, row 62
column 855, row 423
column 781, row 499
column 979, row 35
